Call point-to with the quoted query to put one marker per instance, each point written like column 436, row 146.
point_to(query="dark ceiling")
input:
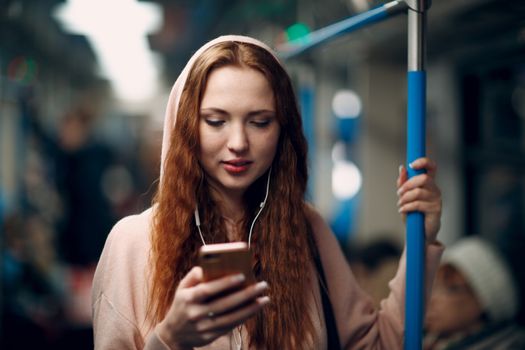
column 456, row 27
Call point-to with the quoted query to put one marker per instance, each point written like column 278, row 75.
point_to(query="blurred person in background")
column 80, row 165
column 234, row 159
column 474, row 301
column 75, row 162
column 32, row 288
column 374, row 264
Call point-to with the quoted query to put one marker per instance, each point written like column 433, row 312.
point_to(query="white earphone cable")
column 263, row 203
column 261, row 207
column 198, row 223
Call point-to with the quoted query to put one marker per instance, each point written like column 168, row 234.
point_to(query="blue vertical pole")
column 415, row 224
column 415, row 229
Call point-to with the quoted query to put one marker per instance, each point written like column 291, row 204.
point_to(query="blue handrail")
column 323, row 35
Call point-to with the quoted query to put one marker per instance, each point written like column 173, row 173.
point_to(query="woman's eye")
column 214, row 123
column 261, row 123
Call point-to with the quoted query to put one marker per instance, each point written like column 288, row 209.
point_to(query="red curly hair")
column 283, row 243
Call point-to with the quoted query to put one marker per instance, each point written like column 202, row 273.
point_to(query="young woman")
column 234, row 169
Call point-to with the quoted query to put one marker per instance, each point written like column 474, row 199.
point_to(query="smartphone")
column 219, row 260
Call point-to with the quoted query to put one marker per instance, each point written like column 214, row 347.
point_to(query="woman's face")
column 453, row 305
column 238, row 128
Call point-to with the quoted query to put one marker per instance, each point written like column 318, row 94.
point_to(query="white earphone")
column 261, row 207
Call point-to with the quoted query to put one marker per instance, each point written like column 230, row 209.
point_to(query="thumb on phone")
column 192, row 278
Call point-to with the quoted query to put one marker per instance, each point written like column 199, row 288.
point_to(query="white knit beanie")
column 488, row 275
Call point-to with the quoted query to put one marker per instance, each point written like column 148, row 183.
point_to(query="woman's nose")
column 237, row 139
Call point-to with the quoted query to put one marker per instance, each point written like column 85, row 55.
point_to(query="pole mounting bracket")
column 419, row 5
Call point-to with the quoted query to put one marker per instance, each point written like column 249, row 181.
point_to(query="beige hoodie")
column 122, row 278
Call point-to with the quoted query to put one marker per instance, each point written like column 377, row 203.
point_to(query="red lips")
column 236, row 166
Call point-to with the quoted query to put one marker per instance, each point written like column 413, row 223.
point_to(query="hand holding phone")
column 203, row 311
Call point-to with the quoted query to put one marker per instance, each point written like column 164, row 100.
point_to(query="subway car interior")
column 83, row 92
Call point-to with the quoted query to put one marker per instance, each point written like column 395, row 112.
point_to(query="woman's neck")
column 231, row 205
column 232, row 212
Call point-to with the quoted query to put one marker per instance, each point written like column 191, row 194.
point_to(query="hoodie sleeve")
column 359, row 323
column 119, row 289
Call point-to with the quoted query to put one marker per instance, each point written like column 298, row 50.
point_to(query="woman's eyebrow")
column 261, row 112
column 213, row 110
column 250, row 114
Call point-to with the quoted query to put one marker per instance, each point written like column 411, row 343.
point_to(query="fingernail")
column 261, row 286
column 413, row 164
column 238, row 278
column 400, row 169
column 263, row 300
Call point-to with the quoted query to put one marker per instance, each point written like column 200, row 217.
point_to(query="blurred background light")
column 359, row 5
column 22, row 69
column 346, row 104
column 346, row 179
column 297, row 32
column 117, row 30
column 338, row 152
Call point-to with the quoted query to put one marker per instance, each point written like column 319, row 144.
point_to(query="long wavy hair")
column 282, row 241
